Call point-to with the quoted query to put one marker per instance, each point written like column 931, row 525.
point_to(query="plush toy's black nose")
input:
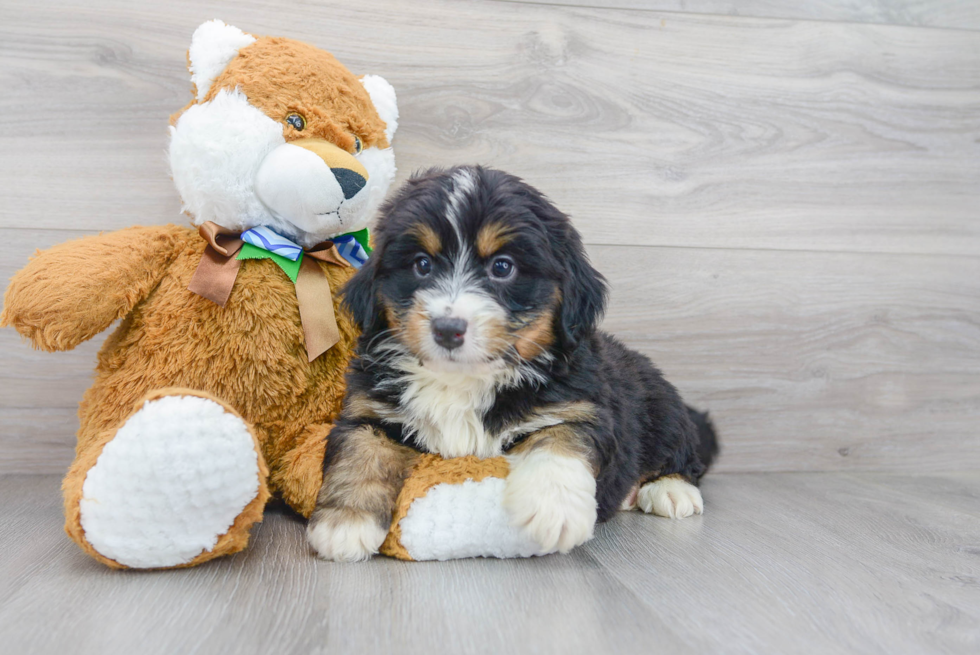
column 350, row 181
column 448, row 332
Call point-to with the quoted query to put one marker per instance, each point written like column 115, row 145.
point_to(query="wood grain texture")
column 956, row 14
column 807, row 360
column 812, row 361
column 662, row 130
column 804, row 193
column 802, row 563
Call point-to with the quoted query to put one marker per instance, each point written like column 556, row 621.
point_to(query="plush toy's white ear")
column 213, row 45
column 383, row 97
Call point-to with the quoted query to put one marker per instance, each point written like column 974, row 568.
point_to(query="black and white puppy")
column 479, row 310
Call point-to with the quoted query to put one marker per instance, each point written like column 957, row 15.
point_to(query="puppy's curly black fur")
column 479, row 311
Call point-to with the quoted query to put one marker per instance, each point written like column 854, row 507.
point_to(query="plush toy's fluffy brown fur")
column 249, row 354
column 326, row 94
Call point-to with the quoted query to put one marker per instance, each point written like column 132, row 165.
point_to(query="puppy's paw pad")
column 670, row 496
column 552, row 498
column 344, row 538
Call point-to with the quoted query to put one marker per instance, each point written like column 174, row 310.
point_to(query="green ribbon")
column 288, row 266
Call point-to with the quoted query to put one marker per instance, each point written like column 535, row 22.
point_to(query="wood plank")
column 812, row 361
column 802, row 563
column 670, row 129
column 37, row 439
column 956, row 14
column 807, row 360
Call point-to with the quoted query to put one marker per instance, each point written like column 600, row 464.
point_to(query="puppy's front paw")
column 670, row 496
column 552, row 498
column 344, row 536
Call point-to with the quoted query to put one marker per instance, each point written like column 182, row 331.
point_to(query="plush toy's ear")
column 383, row 97
column 213, row 45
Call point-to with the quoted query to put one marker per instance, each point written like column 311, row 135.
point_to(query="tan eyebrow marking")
column 492, row 238
column 427, row 238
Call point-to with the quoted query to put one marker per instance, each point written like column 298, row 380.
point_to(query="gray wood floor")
column 779, row 563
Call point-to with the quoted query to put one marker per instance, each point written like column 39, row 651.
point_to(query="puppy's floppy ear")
column 361, row 299
column 583, row 290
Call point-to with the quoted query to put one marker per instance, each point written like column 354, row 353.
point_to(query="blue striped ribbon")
column 264, row 238
column 350, row 249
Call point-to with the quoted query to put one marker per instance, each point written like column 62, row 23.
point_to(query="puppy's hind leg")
column 671, row 496
column 672, row 463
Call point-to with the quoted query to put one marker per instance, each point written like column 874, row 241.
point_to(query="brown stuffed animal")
column 220, row 384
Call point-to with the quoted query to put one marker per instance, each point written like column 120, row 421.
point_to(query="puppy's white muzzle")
column 312, row 184
column 479, row 315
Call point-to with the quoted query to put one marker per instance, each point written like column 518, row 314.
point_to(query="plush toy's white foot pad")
column 670, row 496
column 170, row 483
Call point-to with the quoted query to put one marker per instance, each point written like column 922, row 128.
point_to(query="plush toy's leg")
column 299, row 474
column 179, row 482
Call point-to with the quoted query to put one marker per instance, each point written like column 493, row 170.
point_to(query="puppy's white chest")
column 445, row 411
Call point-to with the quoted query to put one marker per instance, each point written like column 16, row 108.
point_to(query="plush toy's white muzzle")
column 312, row 184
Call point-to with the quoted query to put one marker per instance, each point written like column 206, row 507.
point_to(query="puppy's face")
column 474, row 268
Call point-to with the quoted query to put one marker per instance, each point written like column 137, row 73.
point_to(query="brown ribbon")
column 216, row 274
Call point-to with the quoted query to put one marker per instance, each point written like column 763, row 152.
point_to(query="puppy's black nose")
column 448, row 332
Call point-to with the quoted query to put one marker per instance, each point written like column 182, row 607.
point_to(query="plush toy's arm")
column 71, row 292
column 452, row 508
column 465, row 507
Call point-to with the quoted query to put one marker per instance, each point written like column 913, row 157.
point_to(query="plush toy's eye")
column 423, row 265
column 502, row 268
column 296, row 121
column 357, row 145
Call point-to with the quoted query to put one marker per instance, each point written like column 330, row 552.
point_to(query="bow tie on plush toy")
column 216, row 274
column 263, row 243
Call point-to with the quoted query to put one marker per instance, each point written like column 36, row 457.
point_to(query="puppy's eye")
column 297, row 121
column 358, row 146
column 423, row 265
column 502, row 268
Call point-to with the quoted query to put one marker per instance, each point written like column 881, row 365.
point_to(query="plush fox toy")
column 221, row 382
